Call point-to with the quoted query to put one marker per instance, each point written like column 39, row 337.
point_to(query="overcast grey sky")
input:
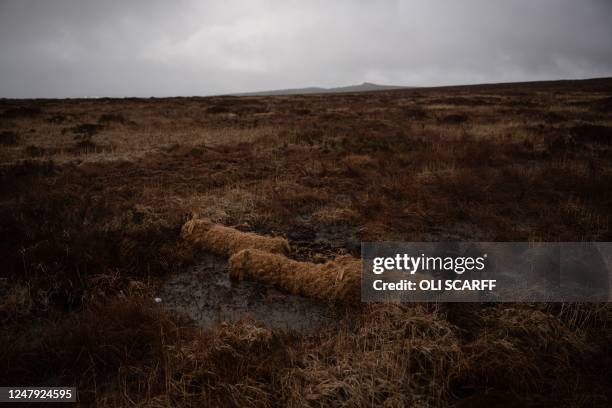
column 71, row 48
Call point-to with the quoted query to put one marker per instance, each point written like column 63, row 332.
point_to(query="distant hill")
column 365, row 87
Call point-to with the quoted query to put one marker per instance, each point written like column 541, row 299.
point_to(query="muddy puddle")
column 207, row 295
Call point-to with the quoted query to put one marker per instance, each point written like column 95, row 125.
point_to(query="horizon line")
column 323, row 89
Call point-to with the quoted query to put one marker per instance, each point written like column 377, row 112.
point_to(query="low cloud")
column 66, row 48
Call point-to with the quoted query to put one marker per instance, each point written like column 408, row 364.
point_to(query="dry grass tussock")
column 397, row 356
column 526, row 350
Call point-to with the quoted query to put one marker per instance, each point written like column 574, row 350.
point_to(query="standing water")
column 207, row 295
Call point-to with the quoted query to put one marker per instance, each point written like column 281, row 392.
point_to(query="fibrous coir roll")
column 227, row 241
column 338, row 280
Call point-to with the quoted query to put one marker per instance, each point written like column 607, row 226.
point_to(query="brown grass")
column 94, row 194
column 397, row 356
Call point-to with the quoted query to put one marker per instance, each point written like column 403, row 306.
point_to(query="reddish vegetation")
column 93, row 194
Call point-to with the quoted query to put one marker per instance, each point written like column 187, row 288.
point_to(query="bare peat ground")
column 93, row 194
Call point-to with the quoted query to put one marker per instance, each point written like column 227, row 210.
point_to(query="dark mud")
column 206, row 294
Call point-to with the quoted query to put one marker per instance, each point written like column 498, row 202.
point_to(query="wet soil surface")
column 207, row 295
